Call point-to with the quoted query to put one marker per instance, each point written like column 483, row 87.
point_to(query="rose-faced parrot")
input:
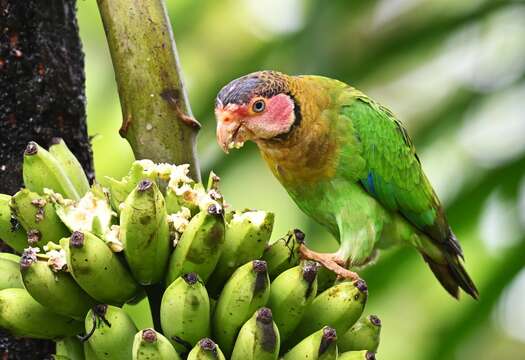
column 348, row 163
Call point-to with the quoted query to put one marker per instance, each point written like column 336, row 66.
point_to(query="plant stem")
column 157, row 119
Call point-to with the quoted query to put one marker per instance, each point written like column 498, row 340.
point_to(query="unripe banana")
column 258, row 338
column 10, row 272
column 98, row 270
column 145, row 234
column 364, row 335
column 325, row 279
column 339, row 307
column 89, row 354
column 357, row 355
column 206, row 349
column 283, row 253
column 110, row 332
column 38, row 216
column 185, row 312
column 290, row 295
column 321, row 345
column 151, row 345
column 41, row 170
column 71, row 166
column 70, row 348
column 22, row 315
column 54, row 290
column 247, row 290
column 10, row 230
column 200, row 245
column 246, row 236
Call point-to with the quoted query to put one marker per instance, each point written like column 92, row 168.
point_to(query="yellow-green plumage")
column 349, row 164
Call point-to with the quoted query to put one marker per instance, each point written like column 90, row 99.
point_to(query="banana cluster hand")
column 228, row 292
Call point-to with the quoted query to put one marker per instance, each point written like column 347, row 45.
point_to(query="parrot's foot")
column 330, row 261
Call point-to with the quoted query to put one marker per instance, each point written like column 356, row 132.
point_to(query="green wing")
column 393, row 172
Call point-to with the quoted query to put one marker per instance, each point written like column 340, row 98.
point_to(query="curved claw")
column 330, row 261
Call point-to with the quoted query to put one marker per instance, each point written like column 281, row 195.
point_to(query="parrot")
column 348, row 163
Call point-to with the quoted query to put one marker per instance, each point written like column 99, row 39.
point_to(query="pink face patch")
column 277, row 118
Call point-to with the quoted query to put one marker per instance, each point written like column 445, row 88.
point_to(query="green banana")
column 290, row 295
column 38, row 216
column 185, row 312
column 258, row 338
column 206, row 349
column 357, row 355
column 10, row 272
column 283, row 253
column 54, row 290
column 41, row 170
column 200, row 245
column 89, row 353
column 10, row 230
column 151, row 345
column 110, row 332
column 70, row 348
column 325, row 279
column 22, row 315
column 339, row 307
column 364, row 335
column 247, row 290
column 145, row 234
column 71, row 165
column 246, row 236
column 321, row 345
column 98, row 270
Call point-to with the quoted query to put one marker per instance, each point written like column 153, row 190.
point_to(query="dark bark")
column 41, row 97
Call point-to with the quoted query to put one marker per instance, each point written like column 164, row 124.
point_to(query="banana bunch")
column 223, row 289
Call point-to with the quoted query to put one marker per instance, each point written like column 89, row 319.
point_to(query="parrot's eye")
column 258, row 106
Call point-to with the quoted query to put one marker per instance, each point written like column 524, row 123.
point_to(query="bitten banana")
column 10, row 272
column 98, row 270
column 283, row 253
column 290, row 295
column 321, row 345
column 364, row 335
column 247, row 234
column 41, row 170
column 247, row 290
column 54, row 290
column 206, row 349
column 151, row 345
column 200, row 245
column 70, row 165
column 38, row 216
column 10, row 230
column 185, row 312
column 357, row 355
column 339, row 307
column 110, row 332
column 145, row 234
column 22, row 315
column 258, row 338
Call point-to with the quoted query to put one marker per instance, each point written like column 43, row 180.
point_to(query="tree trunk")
column 41, row 97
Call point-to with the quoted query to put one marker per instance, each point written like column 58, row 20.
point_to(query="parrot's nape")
column 348, row 163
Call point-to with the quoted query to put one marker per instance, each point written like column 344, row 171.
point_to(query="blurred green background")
column 453, row 71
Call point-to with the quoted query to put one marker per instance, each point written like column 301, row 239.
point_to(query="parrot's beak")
column 230, row 132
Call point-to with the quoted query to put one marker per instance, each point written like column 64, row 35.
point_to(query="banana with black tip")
column 258, row 338
column 10, row 270
column 200, row 245
column 10, row 230
column 110, row 332
column 41, row 170
column 206, row 349
column 290, row 295
column 364, row 335
column 357, row 355
column 71, row 166
column 247, row 290
column 98, row 270
column 23, row 316
column 185, row 312
column 144, row 231
column 151, row 345
column 321, row 345
column 283, row 253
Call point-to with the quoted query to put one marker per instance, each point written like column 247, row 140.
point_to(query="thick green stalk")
column 157, row 119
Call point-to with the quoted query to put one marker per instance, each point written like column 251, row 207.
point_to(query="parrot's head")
column 257, row 107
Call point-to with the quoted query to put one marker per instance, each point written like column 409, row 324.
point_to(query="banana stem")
column 157, row 119
column 154, row 293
